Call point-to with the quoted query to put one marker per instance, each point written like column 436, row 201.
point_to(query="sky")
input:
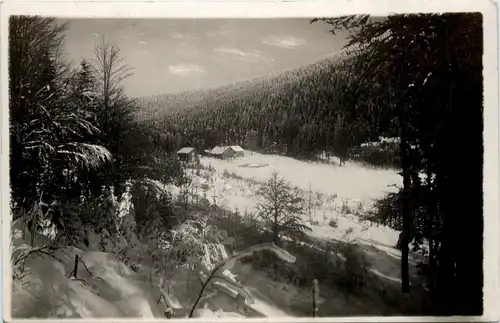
column 175, row 55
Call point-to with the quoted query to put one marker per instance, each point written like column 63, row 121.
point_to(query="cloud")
column 182, row 36
column 185, row 69
column 254, row 55
column 220, row 31
column 142, row 42
column 284, row 41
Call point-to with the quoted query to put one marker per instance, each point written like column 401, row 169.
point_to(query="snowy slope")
column 107, row 288
column 114, row 290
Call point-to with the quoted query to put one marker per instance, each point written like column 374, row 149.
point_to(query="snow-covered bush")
column 100, row 216
column 197, row 238
column 381, row 153
column 219, row 274
column 61, row 221
column 27, row 240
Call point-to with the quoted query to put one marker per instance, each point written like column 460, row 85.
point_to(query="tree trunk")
column 431, row 202
column 315, row 291
column 275, row 229
column 406, row 216
column 75, row 269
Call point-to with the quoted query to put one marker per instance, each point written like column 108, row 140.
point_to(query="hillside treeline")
column 299, row 113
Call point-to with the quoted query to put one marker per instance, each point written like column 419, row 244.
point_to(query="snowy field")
column 351, row 180
column 344, row 192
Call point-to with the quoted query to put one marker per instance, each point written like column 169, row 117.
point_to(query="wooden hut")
column 238, row 151
column 188, row 155
column 226, row 152
column 221, row 152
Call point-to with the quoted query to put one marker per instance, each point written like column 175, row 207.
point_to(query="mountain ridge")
column 160, row 105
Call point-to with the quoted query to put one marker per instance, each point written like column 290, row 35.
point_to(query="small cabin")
column 238, row 151
column 221, row 152
column 188, row 155
column 226, row 152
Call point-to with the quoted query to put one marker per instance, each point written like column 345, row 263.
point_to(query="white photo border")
column 274, row 9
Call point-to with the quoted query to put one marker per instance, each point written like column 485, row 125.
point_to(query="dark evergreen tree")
column 429, row 69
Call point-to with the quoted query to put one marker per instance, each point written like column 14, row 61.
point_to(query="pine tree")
column 281, row 209
column 49, row 130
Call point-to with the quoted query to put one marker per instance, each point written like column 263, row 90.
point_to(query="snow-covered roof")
column 218, row 150
column 237, row 148
column 186, row 150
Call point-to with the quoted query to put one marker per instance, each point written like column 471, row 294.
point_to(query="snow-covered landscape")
column 114, row 290
column 272, row 173
column 351, row 187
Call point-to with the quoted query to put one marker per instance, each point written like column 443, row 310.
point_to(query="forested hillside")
column 299, row 113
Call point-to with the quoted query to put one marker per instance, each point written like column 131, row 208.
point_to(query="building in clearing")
column 238, row 151
column 221, row 152
column 188, row 154
column 226, row 152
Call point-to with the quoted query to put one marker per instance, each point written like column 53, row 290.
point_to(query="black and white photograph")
column 324, row 166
